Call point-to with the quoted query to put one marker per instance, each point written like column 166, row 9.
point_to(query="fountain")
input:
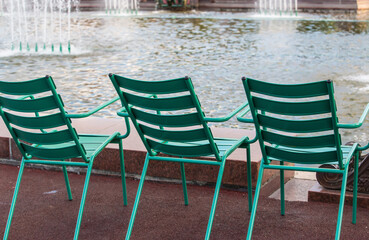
column 121, row 6
column 277, row 7
column 39, row 22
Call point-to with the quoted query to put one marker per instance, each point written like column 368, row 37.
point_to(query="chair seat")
column 346, row 152
column 93, row 144
column 225, row 144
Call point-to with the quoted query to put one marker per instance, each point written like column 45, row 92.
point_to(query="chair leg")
column 249, row 180
column 139, row 190
column 83, row 199
column 281, row 176
column 70, row 197
column 215, row 199
column 122, row 171
column 15, row 195
column 184, row 186
column 342, row 203
column 354, row 197
column 255, row 204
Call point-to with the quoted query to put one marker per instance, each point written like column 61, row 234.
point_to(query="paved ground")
column 43, row 211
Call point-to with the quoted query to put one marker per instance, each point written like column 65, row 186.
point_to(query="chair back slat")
column 288, row 91
column 29, row 105
column 300, row 126
column 295, row 141
column 44, row 138
column 162, row 104
column 175, row 136
column 41, row 122
column 170, row 119
column 293, row 108
column 281, row 154
column 54, row 153
column 34, row 115
column 182, row 150
column 296, row 126
column 35, row 86
column 184, row 120
column 154, row 87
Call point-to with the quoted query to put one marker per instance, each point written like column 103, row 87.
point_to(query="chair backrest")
column 34, row 115
column 295, row 123
column 170, row 119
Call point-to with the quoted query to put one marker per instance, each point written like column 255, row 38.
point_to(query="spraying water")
column 35, row 22
column 280, row 7
column 121, row 6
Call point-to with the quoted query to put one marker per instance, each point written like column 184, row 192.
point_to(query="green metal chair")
column 35, row 117
column 168, row 117
column 298, row 124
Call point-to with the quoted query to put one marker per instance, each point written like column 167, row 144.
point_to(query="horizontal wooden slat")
column 288, row 91
column 43, row 122
column 52, row 153
column 153, row 87
column 292, row 108
column 160, row 104
column 26, row 87
column 178, row 136
column 302, row 142
column 44, row 138
column 29, row 105
column 184, row 120
column 302, row 157
column 296, row 126
column 181, row 151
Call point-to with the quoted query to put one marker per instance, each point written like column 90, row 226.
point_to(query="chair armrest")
column 229, row 116
column 359, row 123
column 243, row 113
column 83, row 115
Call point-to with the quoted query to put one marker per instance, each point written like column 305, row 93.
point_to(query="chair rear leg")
column 122, row 171
column 15, row 195
column 281, row 177
column 249, row 180
column 255, row 204
column 70, row 197
column 354, row 197
column 342, row 203
column 83, row 199
column 184, row 186
column 215, row 200
column 138, row 195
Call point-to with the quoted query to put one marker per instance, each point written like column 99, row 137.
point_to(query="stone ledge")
column 319, row 194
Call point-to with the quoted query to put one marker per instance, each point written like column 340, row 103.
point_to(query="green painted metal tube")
column 83, row 199
column 139, row 190
column 307, row 169
column 122, row 171
column 249, row 177
column 215, row 200
column 342, row 203
column 359, row 123
column 354, row 192
column 59, row 163
column 184, row 186
column 255, row 204
column 11, row 211
column 229, row 116
column 83, row 115
column 281, row 177
column 186, row 160
column 67, row 184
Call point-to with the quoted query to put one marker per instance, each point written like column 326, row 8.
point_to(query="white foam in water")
column 357, row 78
column 75, row 51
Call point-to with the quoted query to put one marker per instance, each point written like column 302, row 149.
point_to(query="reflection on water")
column 214, row 49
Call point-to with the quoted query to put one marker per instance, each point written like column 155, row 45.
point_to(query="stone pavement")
column 43, row 211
